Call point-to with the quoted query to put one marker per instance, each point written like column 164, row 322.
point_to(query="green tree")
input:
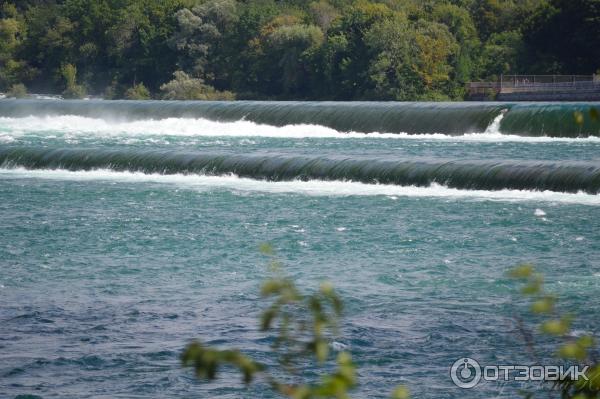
column 464, row 61
column 199, row 35
column 566, row 52
column 492, row 16
column 49, row 44
column 72, row 89
column 320, row 49
column 185, row 87
column 502, row 54
column 294, row 46
column 323, row 14
column 347, row 53
column 137, row 92
column 435, row 48
column 17, row 90
column 243, row 49
column 139, row 40
column 13, row 33
column 410, row 60
column 393, row 70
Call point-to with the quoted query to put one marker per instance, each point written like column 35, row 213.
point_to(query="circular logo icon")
column 465, row 373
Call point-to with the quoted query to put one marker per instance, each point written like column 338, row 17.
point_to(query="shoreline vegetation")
column 399, row 50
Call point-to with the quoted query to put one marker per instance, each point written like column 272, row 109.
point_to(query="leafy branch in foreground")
column 303, row 325
column 558, row 325
column 594, row 115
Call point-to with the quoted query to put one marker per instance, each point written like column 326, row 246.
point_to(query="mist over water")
column 130, row 228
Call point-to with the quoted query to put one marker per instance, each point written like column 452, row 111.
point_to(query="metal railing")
column 537, row 83
column 520, row 80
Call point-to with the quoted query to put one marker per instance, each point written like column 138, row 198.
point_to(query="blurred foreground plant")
column 303, row 325
column 594, row 115
column 557, row 324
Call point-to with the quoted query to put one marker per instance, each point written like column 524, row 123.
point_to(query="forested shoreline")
column 288, row 49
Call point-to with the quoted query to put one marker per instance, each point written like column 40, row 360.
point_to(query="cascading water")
column 494, row 128
column 475, row 175
column 527, row 119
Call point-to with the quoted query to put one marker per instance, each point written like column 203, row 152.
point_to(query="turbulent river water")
column 130, row 228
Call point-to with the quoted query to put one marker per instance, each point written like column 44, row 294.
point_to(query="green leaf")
column 556, row 327
column 266, row 249
column 594, row 377
column 586, row 341
column 544, row 305
column 267, row 318
column 327, row 288
column 572, row 351
column 321, row 350
column 522, row 272
column 401, row 392
column 534, row 287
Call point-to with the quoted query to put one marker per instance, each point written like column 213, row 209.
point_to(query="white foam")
column 46, row 97
column 338, row 346
column 5, row 138
column 310, row 188
column 78, row 125
column 539, row 212
column 494, row 128
column 580, row 333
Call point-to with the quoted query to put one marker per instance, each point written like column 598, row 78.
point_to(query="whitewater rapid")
column 317, row 188
column 415, row 118
column 73, row 126
column 107, row 125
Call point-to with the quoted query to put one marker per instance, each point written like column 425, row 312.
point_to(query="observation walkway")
column 537, row 88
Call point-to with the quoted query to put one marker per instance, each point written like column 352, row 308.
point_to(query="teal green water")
column 105, row 275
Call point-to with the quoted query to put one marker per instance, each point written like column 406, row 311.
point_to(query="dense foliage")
column 284, row 49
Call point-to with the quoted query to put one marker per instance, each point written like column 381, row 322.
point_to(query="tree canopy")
column 289, row 49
